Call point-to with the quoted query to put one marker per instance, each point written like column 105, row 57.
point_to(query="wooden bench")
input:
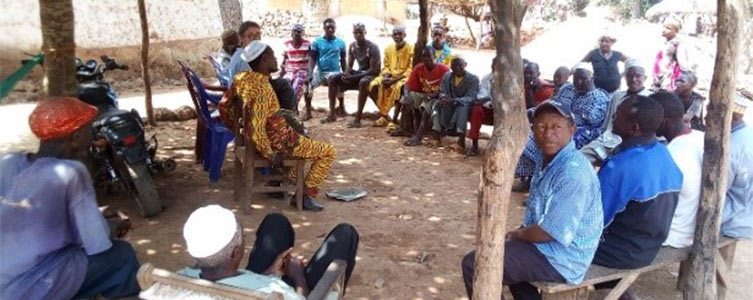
column 159, row 284
column 666, row 257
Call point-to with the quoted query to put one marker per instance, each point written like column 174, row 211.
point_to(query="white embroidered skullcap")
column 741, row 103
column 208, row 230
column 253, row 50
column 633, row 63
column 583, row 66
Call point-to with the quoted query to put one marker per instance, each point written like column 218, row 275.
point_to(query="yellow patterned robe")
column 270, row 133
column 396, row 63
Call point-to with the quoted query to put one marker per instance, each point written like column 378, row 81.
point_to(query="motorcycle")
column 122, row 156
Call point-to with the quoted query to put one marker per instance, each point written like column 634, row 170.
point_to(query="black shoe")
column 308, row 204
column 523, row 185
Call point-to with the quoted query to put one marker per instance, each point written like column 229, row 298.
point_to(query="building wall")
column 291, row 5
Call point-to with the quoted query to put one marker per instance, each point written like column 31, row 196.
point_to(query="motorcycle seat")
column 112, row 116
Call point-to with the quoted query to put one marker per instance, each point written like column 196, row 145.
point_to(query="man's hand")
column 387, row 82
column 118, row 221
column 444, row 102
column 277, row 267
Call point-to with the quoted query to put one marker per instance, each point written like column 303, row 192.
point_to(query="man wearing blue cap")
column 563, row 220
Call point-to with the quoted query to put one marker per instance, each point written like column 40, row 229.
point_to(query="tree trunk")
column 59, row 47
column 315, row 11
column 145, row 63
column 637, row 11
column 423, row 31
column 470, row 31
column 231, row 14
column 505, row 148
column 702, row 278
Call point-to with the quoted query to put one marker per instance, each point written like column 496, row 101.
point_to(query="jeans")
column 112, row 273
column 275, row 235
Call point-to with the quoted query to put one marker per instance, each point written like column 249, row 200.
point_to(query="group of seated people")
column 56, row 243
column 645, row 195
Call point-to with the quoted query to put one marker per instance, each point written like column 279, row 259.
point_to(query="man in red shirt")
column 537, row 90
column 421, row 89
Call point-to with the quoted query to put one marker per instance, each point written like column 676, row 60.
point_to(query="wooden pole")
column 231, row 13
column 702, row 276
column 423, row 31
column 505, row 148
column 145, row 63
column 59, row 47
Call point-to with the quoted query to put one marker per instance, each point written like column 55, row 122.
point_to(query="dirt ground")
column 415, row 225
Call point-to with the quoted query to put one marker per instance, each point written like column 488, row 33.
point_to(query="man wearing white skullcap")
column 600, row 148
column 214, row 237
column 737, row 217
column 604, row 61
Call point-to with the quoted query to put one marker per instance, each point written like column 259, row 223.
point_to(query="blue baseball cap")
column 558, row 107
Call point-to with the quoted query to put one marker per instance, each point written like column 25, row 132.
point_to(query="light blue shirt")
column 236, row 65
column 737, row 218
column 565, row 201
column 49, row 223
column 328, row 53
column 253, row 282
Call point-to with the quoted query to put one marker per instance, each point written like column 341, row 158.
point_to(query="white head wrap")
column 253, row 50
column 583, row 66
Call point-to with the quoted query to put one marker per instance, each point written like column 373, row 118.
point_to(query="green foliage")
column 625, row 7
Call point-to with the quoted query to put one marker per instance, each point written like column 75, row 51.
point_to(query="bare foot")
column 401, row 132
column 414, row 141
column 340, row 111
column 307, row 116
column 354, row 124
column 473, row 151
column 329, row 119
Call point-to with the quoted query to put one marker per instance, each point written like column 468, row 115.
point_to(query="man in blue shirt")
column 328, row 59
column 54, row 242
column 640, row 186
column 737, row 217
column 563, row 219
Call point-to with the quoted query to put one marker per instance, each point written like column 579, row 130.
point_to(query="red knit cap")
column 60, row 117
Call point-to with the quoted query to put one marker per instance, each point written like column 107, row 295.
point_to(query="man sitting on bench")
column 640, row 185
column 268, row 128
column 686, row 147
column 737, row 216
column 563, row 220
column 214, row 237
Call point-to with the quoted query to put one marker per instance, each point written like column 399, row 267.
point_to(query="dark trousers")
column 112, row 273
column 275, row 235
column 523, row 264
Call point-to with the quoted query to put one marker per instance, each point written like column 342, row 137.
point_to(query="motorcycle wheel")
column 144, row 190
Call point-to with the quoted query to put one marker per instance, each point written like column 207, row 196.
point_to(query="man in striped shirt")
column 295, row 62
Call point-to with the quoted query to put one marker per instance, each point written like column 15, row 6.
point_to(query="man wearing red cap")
column 54, row 241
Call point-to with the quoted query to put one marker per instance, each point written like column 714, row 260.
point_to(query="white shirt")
column 687, row 152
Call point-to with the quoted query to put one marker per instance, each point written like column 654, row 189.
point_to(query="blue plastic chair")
column 217, row 71
column 217, row 135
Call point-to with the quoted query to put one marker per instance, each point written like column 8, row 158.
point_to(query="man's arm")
column 444, row 86
column 342, row 60
column 472, row 91
column 374, row 61
column 284, row 61
column 587, row 58
column 313, row 57
column 530, row 234
column 83, row 213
